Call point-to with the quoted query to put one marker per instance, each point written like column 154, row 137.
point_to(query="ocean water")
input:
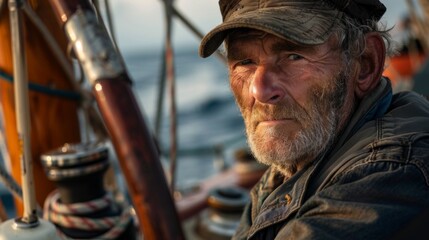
column 207, row 117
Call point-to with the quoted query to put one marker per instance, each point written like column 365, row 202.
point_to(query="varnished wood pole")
column 139, row 160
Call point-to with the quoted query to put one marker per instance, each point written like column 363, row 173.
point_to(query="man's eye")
column 245, row 62
column 295, row 57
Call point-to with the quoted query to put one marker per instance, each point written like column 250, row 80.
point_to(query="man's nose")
column 266, row 86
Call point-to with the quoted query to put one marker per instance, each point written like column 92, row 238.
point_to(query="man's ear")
column 371, row 64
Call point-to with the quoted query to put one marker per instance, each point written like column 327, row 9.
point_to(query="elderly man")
column 349, row 160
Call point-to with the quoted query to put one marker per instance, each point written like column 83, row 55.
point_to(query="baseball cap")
column 303, row 21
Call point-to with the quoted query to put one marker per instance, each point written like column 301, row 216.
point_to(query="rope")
column 43, row 89
column 65, row 215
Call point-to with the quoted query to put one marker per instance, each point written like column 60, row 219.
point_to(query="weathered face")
column 289, row 95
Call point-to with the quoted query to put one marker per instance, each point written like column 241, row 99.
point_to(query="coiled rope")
column 66, row 215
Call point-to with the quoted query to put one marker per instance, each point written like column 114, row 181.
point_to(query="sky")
column 139, row 24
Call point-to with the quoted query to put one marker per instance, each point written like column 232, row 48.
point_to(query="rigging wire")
column 167, row 75
column 193, row 29
column 160, row 101
column 158, row 116
column 51, row 43
column 170, row 76
column 109, row 17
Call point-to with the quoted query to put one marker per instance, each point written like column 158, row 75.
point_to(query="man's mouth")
column 274, row 121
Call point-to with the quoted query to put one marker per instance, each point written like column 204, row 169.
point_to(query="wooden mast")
column 54, row 120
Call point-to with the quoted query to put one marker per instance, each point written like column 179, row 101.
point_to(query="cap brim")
column 305, row 26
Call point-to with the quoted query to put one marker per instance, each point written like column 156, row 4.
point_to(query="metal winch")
column 221, row 219
column 81, row 197
column 75, row 160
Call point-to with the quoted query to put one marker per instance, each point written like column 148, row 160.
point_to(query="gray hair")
column 351, row 36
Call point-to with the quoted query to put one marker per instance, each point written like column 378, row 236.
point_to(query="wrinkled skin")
column 294, row 99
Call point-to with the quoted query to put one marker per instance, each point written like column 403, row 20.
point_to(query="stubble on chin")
column 291, row 152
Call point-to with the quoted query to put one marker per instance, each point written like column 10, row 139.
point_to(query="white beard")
column 288, row 154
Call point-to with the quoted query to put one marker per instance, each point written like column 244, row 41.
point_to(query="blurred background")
column 210, row 129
